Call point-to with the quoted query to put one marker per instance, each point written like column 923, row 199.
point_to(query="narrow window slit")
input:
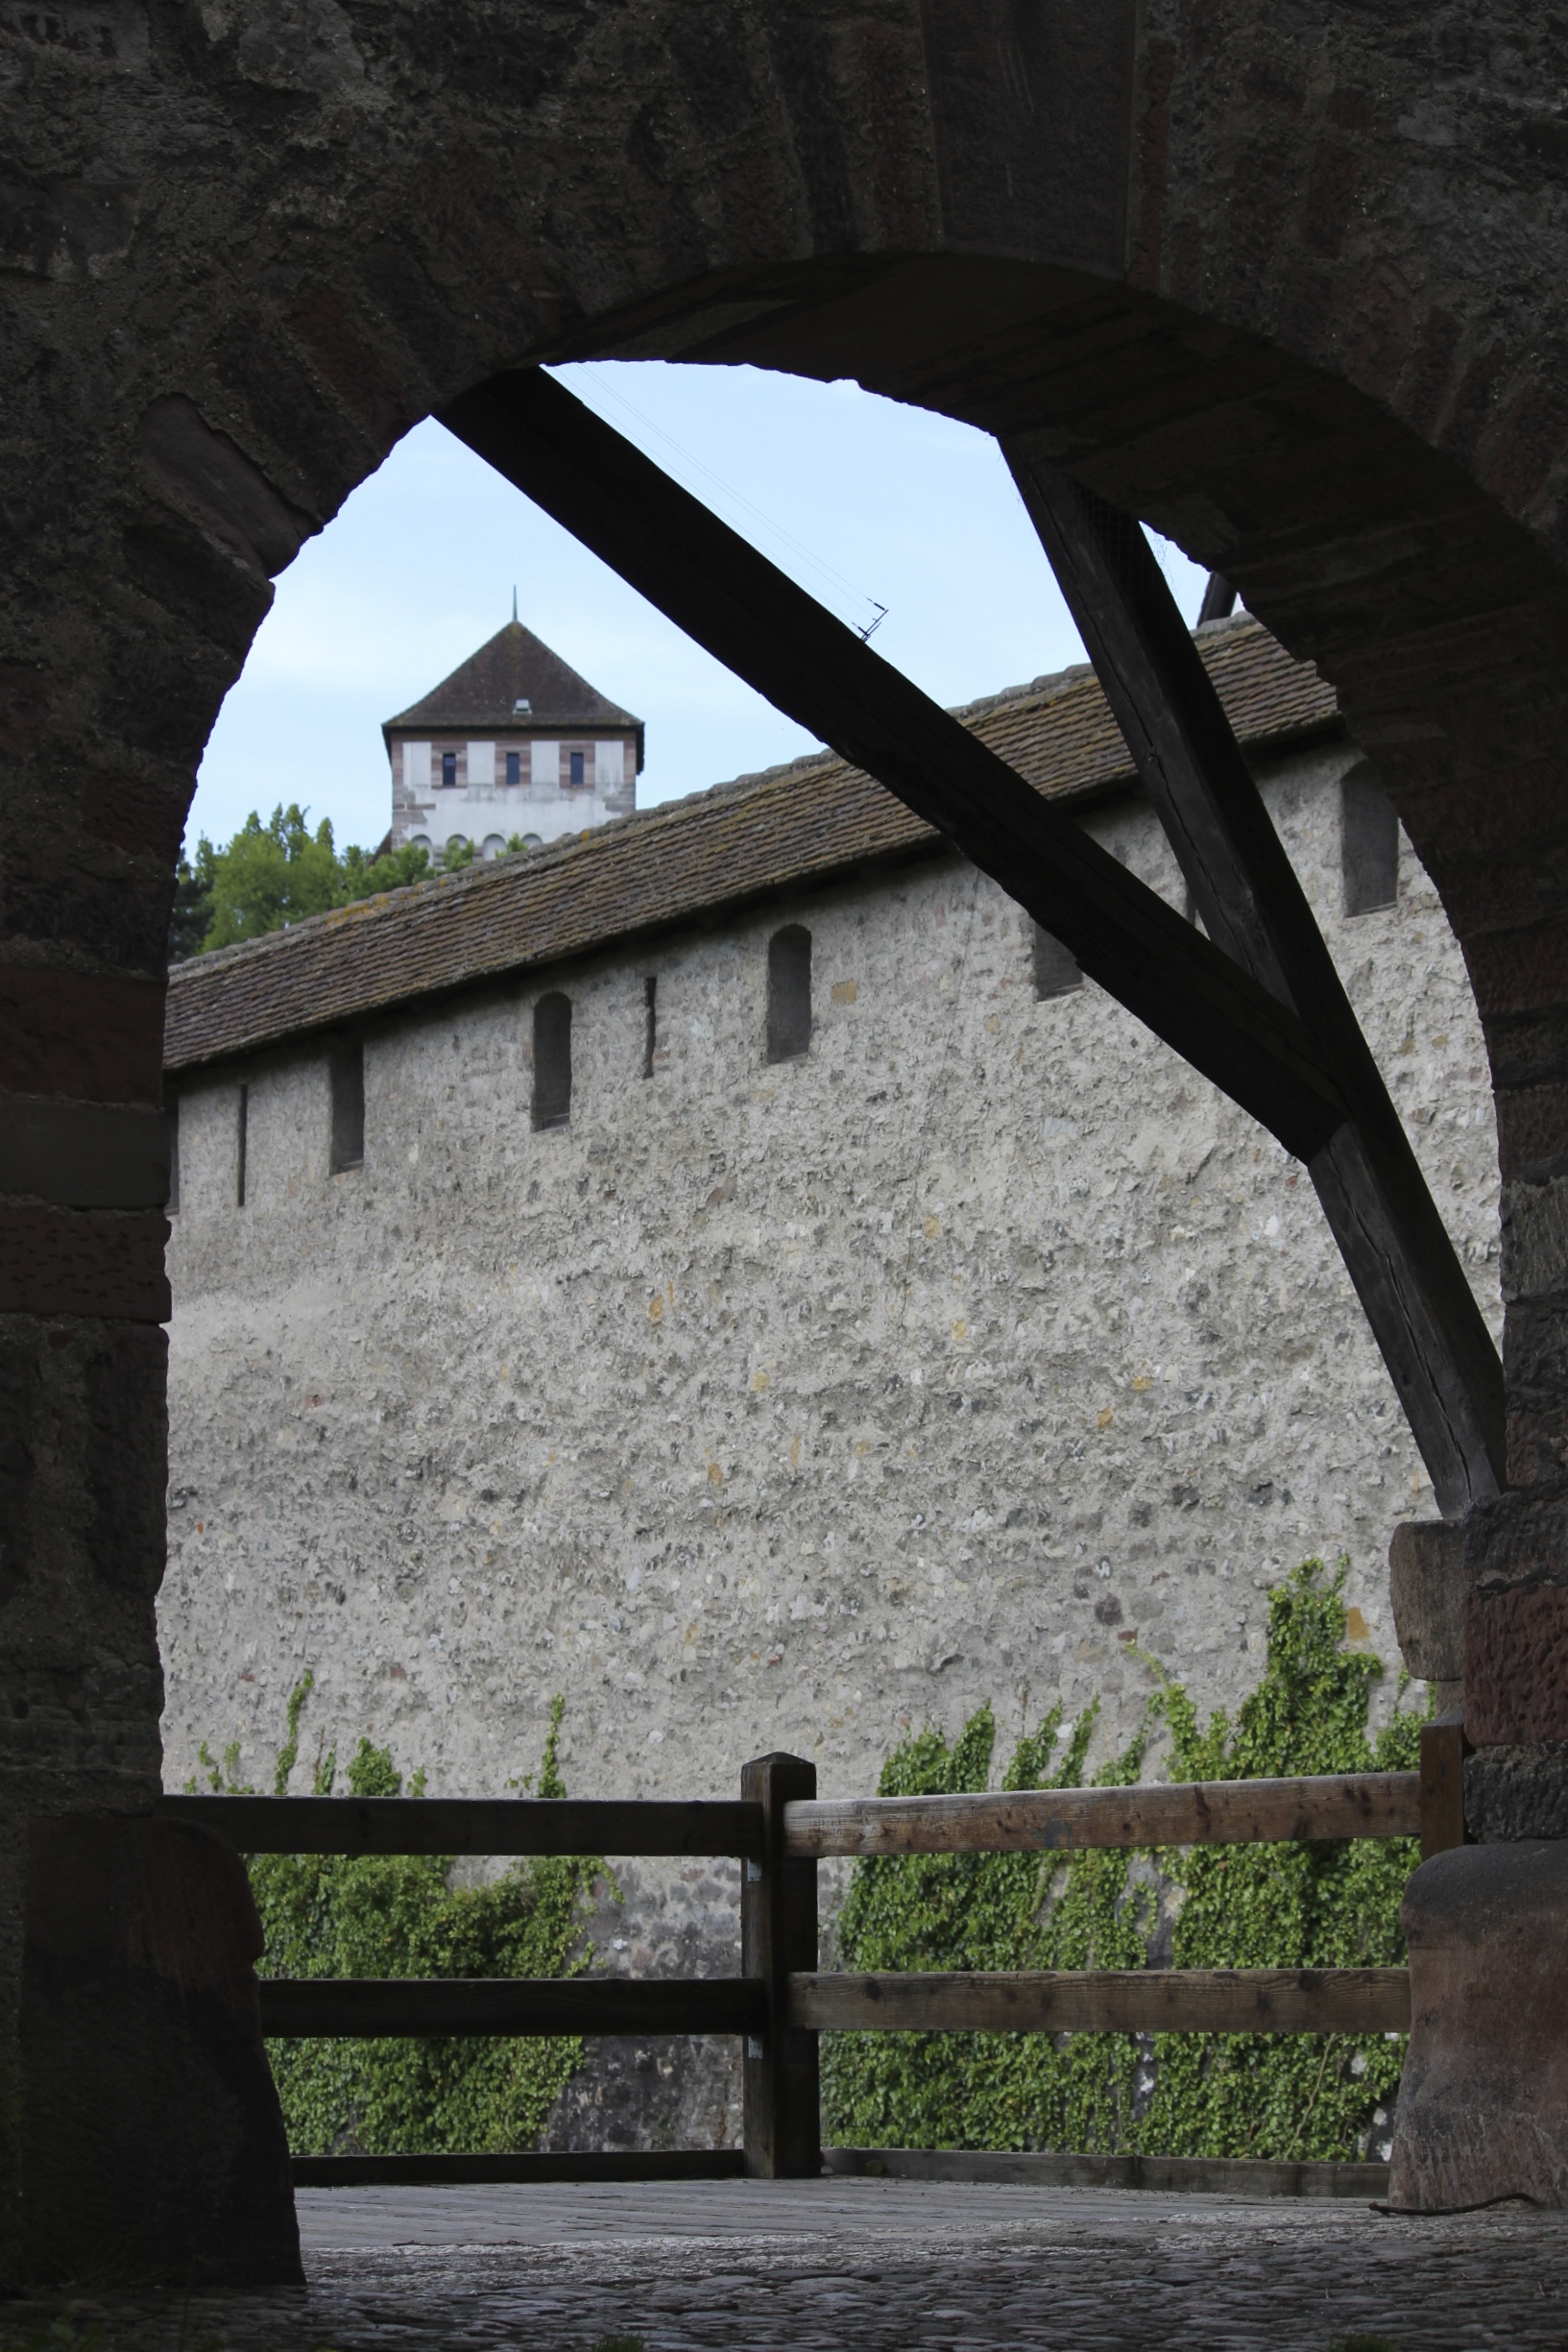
column 1370, row 841
column 789, row 993
column 1056, row 967
column 552, row 1061
column 347, row 1073
column 650, row 1023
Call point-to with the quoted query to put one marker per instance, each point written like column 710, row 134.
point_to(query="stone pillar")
column 122, row 623
column 152, row 2138
column 1483, row 2105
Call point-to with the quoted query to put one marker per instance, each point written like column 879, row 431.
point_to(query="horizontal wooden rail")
column 1051, row 1820
column 1107, row 2001
column 475, row 1825
column 361, row 2007
column 1066, row 2001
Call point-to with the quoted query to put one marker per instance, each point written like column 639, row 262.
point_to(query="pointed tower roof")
column 515, row 667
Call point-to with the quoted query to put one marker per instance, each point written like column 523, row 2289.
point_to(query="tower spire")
column 514, row 604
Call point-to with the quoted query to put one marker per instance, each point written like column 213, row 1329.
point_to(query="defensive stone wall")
column 985, row 1352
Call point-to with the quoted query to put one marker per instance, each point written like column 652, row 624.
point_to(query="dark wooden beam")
column 474, row 1825
column 370, row 2006
column 706, row 579
column 1407, row 1273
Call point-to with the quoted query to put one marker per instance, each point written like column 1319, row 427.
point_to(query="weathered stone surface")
column 1426, row 1594
column 1484, row 2102
column 1517, row 1665
column 779, row 1404
column 884, row 2266
column 152, row 2137
column 1514, row 1793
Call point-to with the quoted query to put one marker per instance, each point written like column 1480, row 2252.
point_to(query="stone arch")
column 1276, row 279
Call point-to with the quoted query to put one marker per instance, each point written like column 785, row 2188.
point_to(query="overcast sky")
column 863, row 501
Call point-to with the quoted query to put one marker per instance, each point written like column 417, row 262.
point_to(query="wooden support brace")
column 706, row 579
column 1444, row 1751
column 778, row 1940
column 1407, row 1273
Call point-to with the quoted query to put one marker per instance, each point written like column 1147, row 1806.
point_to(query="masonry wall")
column 782, row 1405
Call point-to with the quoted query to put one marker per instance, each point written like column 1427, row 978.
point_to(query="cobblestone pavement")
column 879, row 2266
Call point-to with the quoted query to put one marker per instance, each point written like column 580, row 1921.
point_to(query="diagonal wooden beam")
column 732, row 600
column 1421, row 1308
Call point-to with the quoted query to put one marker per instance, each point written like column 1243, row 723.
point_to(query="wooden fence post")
column 778, row 1934
column 1443, row 1750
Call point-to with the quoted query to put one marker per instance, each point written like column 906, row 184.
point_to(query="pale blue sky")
column 857, row 498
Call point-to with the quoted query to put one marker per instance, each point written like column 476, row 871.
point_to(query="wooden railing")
column 778, row 1831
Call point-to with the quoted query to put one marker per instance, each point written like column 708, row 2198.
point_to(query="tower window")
column 242, row 1141
column 650, row 1024
column 347, row 1073
column 578, row 765
column 552, row 1061
column 449, row 767
column 1056, row 970
column 789, row 993
column 514, row 768
column 1370, row 841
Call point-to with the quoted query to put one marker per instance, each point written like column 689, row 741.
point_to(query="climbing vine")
column 1244, row 1907
column 333, row 1915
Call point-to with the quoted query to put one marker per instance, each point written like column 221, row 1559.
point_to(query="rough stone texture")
column 984, row 1353
column 1426, row 1593
column 153, row 2140
column 1517, row 1665
column 809, row 2266
column 1288, row 280
column 1513, row 1793
column 1484, row 2099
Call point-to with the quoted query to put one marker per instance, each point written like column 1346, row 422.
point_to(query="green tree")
column 271, row 875
column 190, row 917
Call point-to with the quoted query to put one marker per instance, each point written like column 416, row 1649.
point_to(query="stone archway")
column 1284, row 279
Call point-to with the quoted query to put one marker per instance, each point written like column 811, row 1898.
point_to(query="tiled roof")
column 515, row 667
column 793, row 826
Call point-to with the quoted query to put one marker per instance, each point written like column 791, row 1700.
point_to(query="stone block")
column 1427, row 1586
column 1516, row 1665
column 84, row 1262
column 95, row 1036
column 1517, row 1793
column 1484, row 2104
column 153, row 2149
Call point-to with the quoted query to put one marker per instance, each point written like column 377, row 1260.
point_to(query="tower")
column 513, row 743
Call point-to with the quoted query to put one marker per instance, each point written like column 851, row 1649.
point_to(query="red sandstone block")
column 1516, row 1666
column 84, row 1262
column 95, row 1037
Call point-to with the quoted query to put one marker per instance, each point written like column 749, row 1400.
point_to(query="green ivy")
column 1246, row 1906
column 333, row 1915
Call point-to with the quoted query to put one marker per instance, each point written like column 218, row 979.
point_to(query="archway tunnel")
column 1233, row 268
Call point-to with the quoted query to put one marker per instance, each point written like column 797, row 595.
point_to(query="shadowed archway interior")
column 1277, row 281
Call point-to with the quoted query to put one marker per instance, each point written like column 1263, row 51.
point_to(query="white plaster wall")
column 785, row 1406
